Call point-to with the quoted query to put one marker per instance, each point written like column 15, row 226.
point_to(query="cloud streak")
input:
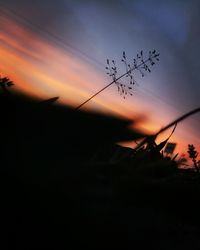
column 59, row 49
column 41, row 69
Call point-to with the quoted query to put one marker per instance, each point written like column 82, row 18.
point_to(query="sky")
column 59, row 48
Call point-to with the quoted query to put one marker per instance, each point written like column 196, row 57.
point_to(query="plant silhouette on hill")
column 193, row 155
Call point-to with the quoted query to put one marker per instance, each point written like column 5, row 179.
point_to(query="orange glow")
column 41, row 69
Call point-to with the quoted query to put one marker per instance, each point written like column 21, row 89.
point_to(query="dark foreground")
column 58, row 193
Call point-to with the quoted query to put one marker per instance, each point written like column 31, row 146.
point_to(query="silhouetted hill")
column 55, row 132
column 45, row 149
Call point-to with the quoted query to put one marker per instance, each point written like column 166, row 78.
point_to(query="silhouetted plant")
column 5, row 83
column 193, row 155
column 138, row 63
column 182, row 161
column 180, row 119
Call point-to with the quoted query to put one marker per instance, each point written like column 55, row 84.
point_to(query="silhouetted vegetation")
column 138, row 63
column 193, row 155
column 66, row 180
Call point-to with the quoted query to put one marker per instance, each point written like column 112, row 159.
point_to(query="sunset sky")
column 59, row 48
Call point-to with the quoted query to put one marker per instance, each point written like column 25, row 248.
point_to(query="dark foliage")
column 193, row 155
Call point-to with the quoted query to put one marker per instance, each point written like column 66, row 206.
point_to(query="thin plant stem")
column 115, row 80
column 183, row 117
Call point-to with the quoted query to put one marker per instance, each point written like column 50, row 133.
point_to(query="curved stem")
column 183, row 117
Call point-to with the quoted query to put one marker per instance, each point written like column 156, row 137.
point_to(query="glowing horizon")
column 44, row 70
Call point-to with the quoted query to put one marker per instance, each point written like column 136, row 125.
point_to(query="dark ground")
column 56, row 195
